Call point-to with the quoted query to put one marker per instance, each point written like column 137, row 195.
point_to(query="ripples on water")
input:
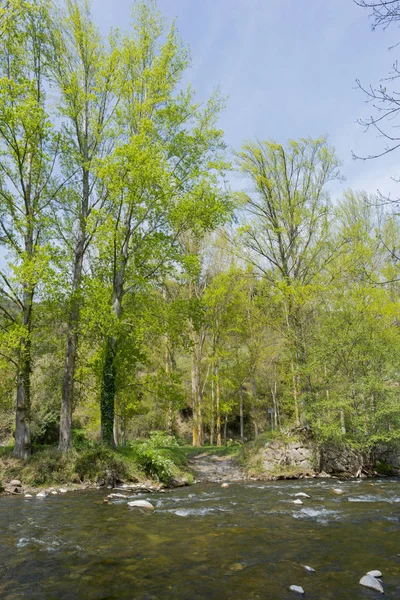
column 204, row 542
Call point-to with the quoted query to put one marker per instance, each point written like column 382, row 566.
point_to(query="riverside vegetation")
column 139, row 294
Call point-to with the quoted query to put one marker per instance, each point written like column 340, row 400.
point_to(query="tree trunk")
column 65, row 439
column 212, row 425
column 241, row 415
column 295, row 396
column 107, row 397
column 22, row 447
column 218, row 405
column 195, row 430
column 225, row 429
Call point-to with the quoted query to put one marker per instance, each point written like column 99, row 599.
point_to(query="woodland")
column 153, row 279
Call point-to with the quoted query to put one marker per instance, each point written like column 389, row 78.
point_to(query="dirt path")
column 216, row 468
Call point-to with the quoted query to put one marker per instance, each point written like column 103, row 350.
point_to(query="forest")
column 154, row 279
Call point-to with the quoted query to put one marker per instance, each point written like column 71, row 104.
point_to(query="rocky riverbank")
column 288, row 458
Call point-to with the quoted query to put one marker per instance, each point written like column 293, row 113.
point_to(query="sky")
column 288, row 69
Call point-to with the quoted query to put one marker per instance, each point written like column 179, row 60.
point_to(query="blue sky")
column 288, row 68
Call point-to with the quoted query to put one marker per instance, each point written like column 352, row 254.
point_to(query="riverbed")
column 204, row 542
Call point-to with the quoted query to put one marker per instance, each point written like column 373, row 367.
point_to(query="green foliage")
column 101, row 463
column 154, row 457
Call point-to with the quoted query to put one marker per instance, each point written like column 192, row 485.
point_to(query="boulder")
column 372, row 583
column 13, row 489
column 296, row 588
column 15, row 482
column 63, row 491
column 225, row 485
column 41, row 494
column 338, row 491
column 141, row 504
column 28, row 495
column 178, row 482
column 298, row 501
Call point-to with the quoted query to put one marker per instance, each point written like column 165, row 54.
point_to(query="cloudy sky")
column 288, row 69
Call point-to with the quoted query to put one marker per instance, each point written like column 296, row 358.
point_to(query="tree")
column 287, row 234
column 383, row 97
column 29, row 149
column 162, row 178
column 83, row 71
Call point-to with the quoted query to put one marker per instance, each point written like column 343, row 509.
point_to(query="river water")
column 247, row 541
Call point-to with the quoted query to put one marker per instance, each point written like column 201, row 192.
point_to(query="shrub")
column 152, row 455
column 100, row 462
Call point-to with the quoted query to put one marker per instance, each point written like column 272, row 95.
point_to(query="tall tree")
column 28, row 150
column 162, row 177
column 286, row 234
column 83, row 70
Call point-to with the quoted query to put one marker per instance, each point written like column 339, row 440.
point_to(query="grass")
column 96, row 464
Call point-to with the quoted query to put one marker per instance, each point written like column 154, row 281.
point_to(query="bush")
column 153, row 457
column 101, row 463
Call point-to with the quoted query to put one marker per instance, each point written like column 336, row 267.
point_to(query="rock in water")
column 372, row 583
column 225, row 485
column 296, row 588
column 375, row 573
column 338, row 491
column 41, row 494
column 301, row 495
column 309, row 569
column 28, row 495
column 142, row 504
column 63, row 491
column 298, row 501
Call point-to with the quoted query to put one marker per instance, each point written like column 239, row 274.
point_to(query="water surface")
column 204, row 542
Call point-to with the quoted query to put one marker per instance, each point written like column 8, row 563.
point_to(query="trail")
column 210, row 467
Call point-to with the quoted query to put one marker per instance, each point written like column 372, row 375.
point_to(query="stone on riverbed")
column 297, row 588
column 141, row 504
column 375, row 573
column 41, row 494
column 338, row 491
column 372, row 583
column 225, row 485
column 298, row 501
column 309, row 569
column 28, row 495
column 302, row 495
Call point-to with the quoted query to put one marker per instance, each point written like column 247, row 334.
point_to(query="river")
column 204, row 542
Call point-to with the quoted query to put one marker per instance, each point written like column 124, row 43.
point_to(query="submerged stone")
column 302, row 495
column 225, row 485
column 309, row 569
column 297, row 588
column 298, row 501
column 338, row 491
column 372, row 583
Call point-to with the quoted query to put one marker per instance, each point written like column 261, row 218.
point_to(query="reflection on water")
column 204, row 542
